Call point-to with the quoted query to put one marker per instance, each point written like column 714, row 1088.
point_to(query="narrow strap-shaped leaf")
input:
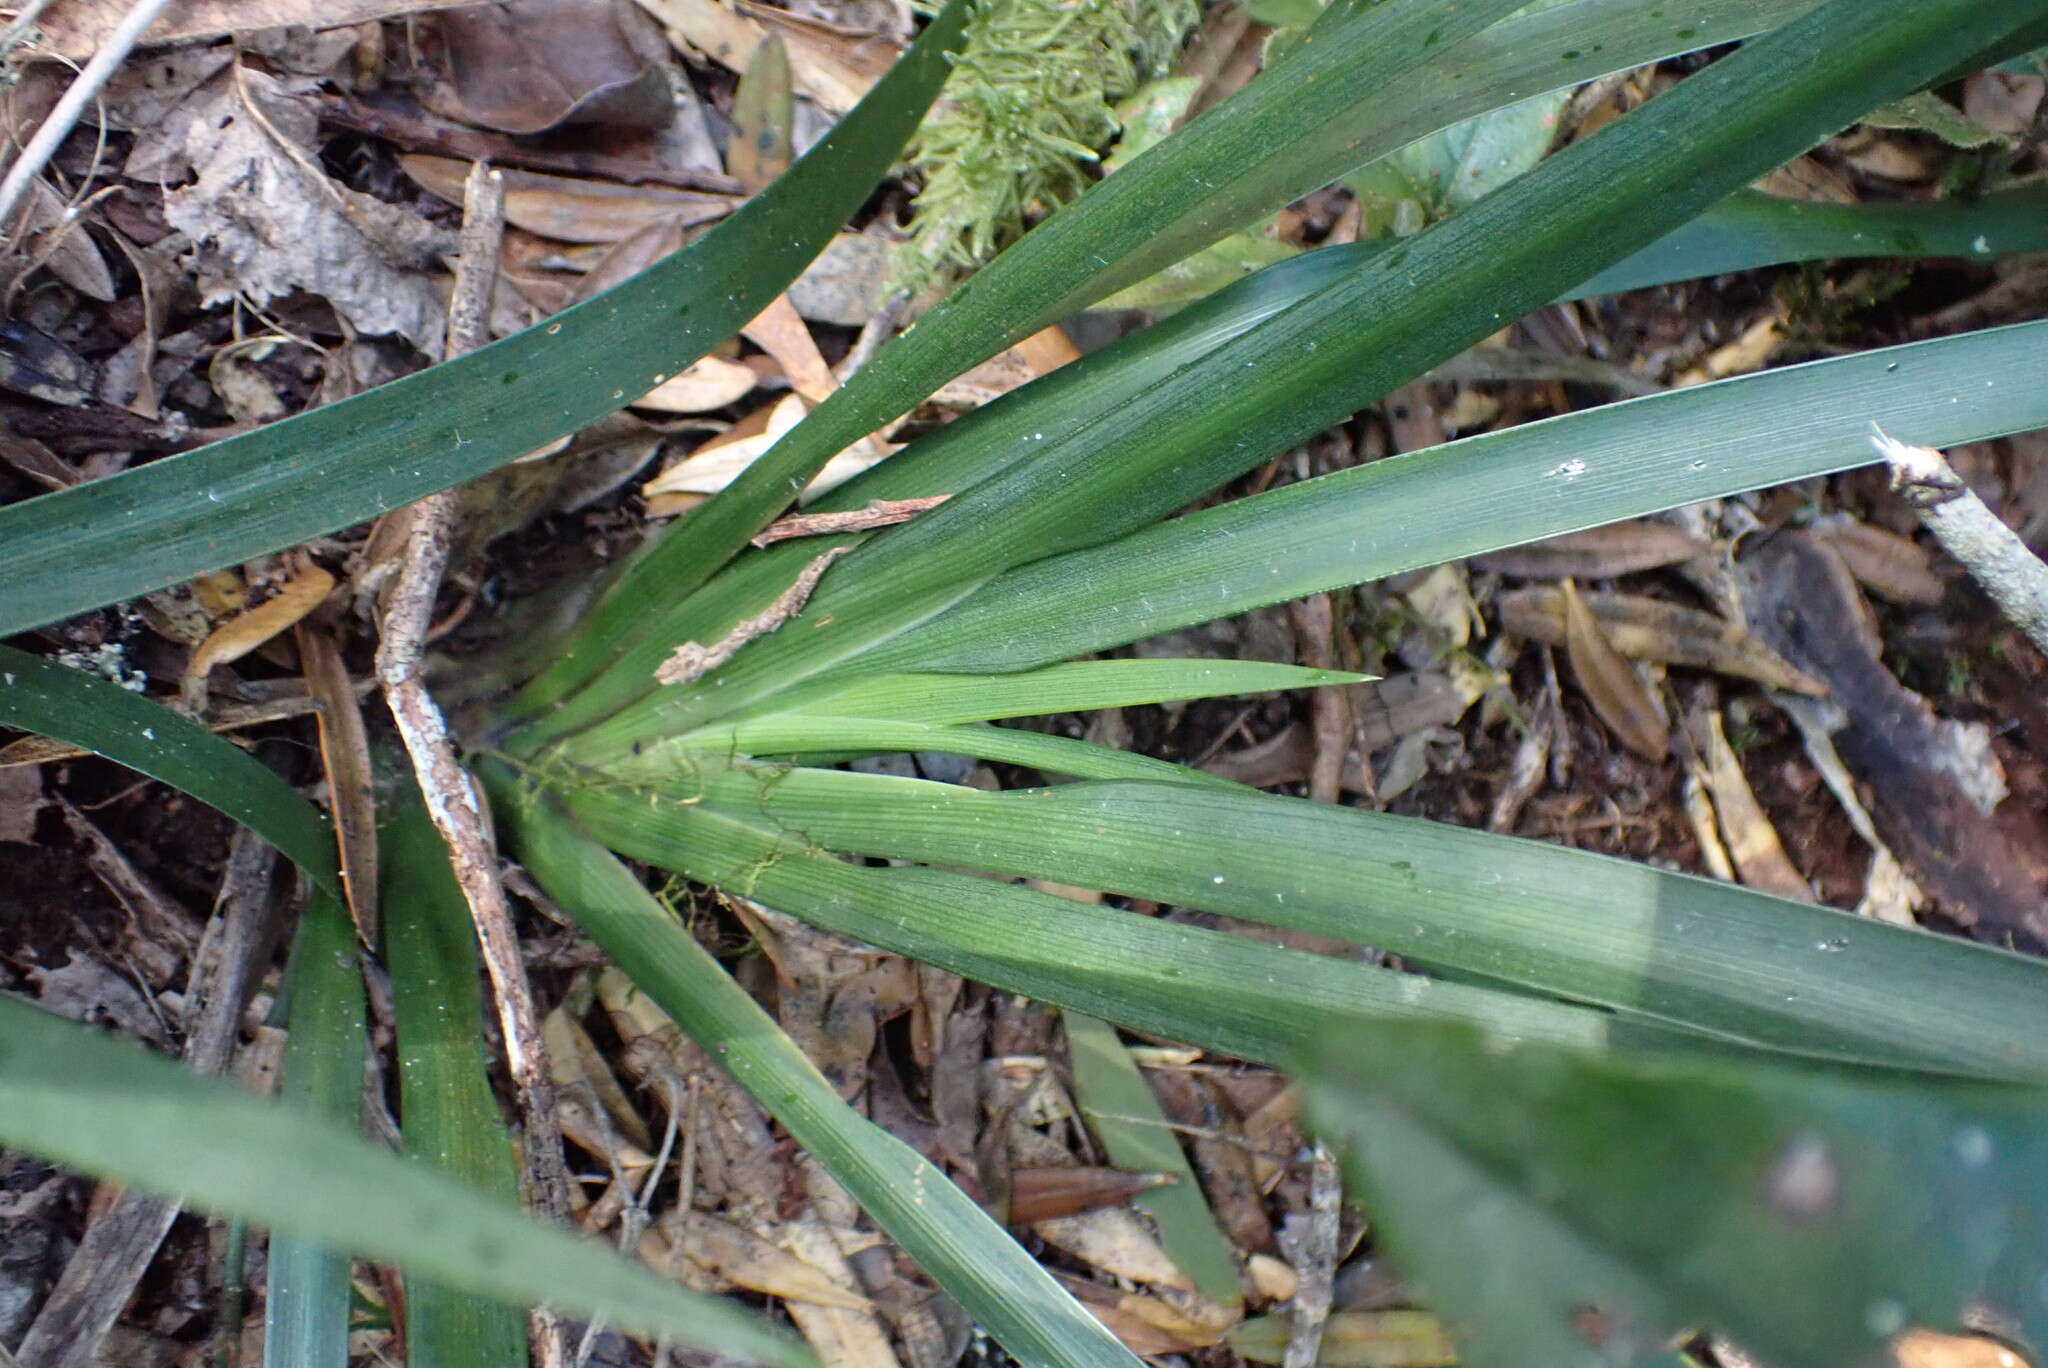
column 1707, row 956
column 307, row 1294
column 1125, row 1114
column 801, row 734
column 447, row 1110
column 1595, row 201
column 1078, row 686
column 1356, row 47
column 167, row 521
column 77, row 1097
column 1227, row 993
column 1745, row 231
column 1749, row 229
column 951, row 1238
column 1809, row 1214
column 53, row 700
column 1483, row 493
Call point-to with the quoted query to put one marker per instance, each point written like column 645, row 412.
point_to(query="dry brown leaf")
column 1753, row 843
column 1706, row 828
column 1039, row 354
column 745, row 1259
column 711, row 382
column 1651, row 629
column 763, row 118
column 830, row 65
column 527, row 66
column 572, row 209
column 1746, row 353
column 56, row 241
column 263, row 223
column 780, row 331
column 1889, row 565
column 844, row 1337
column 715, row 464
column 21, row 799
column 1117, row 1242
column 345, row 755
column 575, row 1058
column 1598, row 552
column 1630, row 708
column 77, row 28
column 1150, row 1325
column 246, row 631
column 1040, row 1194
column 848, row 282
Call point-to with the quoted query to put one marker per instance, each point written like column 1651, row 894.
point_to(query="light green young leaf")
column 102, row 1106
column 1707, row 957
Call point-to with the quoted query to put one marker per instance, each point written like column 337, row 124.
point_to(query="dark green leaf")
column 307, row 1294
column 67, row 705
column 168, row 521
column 1711, row 957
column 1809, row 1214
column 76, row 1097
column 447, row 1110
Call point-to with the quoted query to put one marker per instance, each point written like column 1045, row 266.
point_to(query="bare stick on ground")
column 1994, row 555
column 452, row 800
column 57, row 125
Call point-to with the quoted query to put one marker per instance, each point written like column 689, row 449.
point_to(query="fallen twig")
column 1993, row 553
column 690, row 661
column 452, row 800
column 62, row 118
column 879, row 513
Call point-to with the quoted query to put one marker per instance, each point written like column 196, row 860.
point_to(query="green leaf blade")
column 168, row 521
column 52, row 700
column 101, row 1106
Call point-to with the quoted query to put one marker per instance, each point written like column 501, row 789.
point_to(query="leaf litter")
column 317, row 257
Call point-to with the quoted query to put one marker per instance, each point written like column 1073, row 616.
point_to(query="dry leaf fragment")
column 527, row 66
column 1889, row 565
column 780, row 331
column 571, row 209
column 844, row 1337
column 345, row 754
column 747, row 1260
column 246, row 631
column 1040, row 1194
column 1650, row 629
column 763, row 118
column 690, row 661
column 833, row 66
column 878, row 513
column 1934, row 1349
column 1753, row 842
column 264, row 222
column 1598, row 552
column 715, row 464
column 77, row 28
column 1630, row 708
column 1745, row 354
column 710, row 382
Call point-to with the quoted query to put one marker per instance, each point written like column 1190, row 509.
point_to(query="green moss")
column 1025, row 113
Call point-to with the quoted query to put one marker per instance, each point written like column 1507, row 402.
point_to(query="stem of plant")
column 452, row 801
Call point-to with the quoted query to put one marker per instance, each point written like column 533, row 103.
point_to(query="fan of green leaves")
column 1060, row 540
